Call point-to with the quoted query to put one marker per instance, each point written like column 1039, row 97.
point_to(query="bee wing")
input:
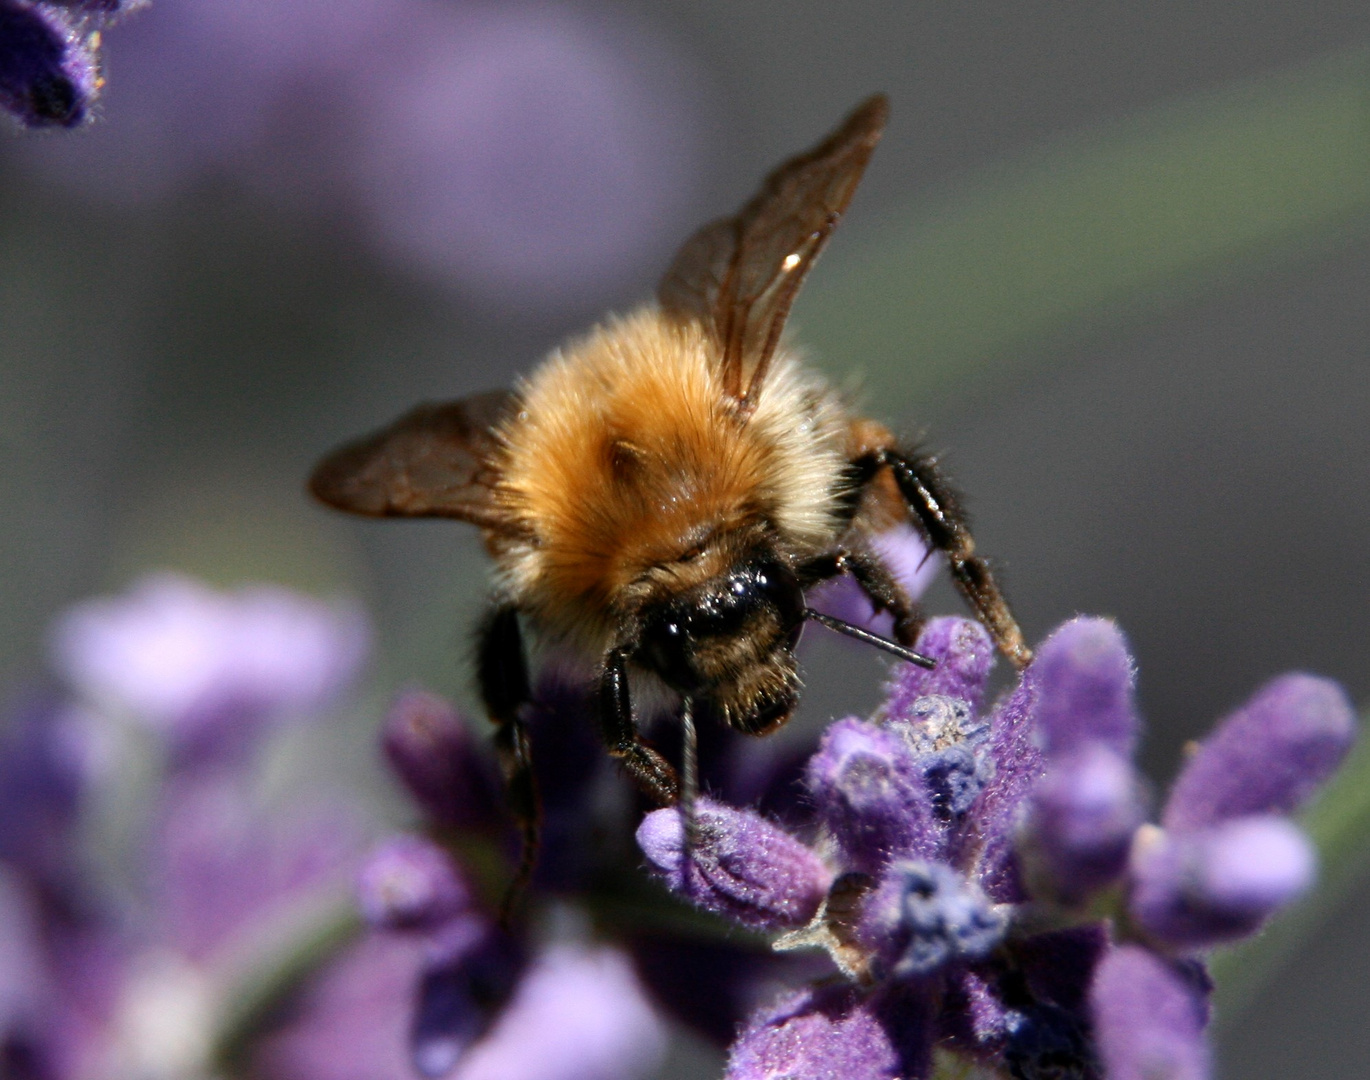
column 738, row 276
column 434, row 461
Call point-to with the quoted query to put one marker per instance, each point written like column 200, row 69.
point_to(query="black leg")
column 652, row 773
column 875, row 580
column 938, row 515
column 503, row 674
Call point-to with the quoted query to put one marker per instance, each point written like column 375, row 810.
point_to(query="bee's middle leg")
column 652, row 772
column 502, row 671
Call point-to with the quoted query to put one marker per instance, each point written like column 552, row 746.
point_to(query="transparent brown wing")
column 739, row 276
column 432, row 462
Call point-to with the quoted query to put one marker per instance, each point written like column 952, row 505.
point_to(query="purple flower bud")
column 1085, row 810
column 1149, row 1018
column 739, row 865
column 924, row 915
column 410, row 882
column 871, row 796
column 48, row 72
column 578, row 1014
column 1270, row 755
column 1198, row 889
column 832, row 1032
column 431, row 748
column 471, row 972
column 964, row 654
column 1084, row 678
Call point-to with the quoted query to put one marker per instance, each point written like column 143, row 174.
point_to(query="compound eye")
column 665, row 648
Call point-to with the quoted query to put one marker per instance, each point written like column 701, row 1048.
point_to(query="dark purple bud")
column 871, row 796
column 1046, row 1042
column 924, row 915
column 974, row 1015
column 410, row 883
column 471, row 972
column 44, row 772
column 951, row 751
column 832, row 1032
column 1085, row 810
column 738, row 865
column 964, row 654
column 1198, row 889
column 1268, row 756
column 431, row 747
column 48, row 72
column 1084, row 682
column 1149, row 1017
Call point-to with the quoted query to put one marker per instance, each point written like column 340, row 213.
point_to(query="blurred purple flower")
column 531, row 153
column 190, row 661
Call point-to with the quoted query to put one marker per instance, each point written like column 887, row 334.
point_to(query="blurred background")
column 1113, row 259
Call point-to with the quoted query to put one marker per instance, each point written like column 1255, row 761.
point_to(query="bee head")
column 717, row 633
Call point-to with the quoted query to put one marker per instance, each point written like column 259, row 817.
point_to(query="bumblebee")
column 660, row 493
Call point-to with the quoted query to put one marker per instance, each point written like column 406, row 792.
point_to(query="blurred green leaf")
column 1339, row 823
column 1097, row 226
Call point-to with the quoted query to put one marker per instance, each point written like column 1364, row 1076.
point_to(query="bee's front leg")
column 502, row 671
column 937, row 513
column 652, row 772
column 874, row 579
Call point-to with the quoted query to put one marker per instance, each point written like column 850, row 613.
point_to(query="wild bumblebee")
column 659, row 494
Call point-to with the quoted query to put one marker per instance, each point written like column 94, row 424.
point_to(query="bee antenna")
column 891, row 647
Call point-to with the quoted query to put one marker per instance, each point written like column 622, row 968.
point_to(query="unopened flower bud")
column 430, row 746
column 736, row 864
column 871, row 796
column 1194, row 890
column 410, row 883
column 1084, row 813
column 1268, row 757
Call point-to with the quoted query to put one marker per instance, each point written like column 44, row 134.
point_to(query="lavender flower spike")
column 48, row 73
column 1268, row 757
column 739, row 865
column 1149, row 1017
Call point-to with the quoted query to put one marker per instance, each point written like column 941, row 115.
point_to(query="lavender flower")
column 967, row 913
column 202, row 666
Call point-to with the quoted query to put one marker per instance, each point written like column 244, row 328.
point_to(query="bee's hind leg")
column 937, row 513
column 652, row 773
column 502, row 671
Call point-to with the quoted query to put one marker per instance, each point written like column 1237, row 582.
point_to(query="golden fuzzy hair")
column 627, row 470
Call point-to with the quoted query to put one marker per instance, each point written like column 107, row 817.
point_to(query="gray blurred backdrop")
column 257, row 253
